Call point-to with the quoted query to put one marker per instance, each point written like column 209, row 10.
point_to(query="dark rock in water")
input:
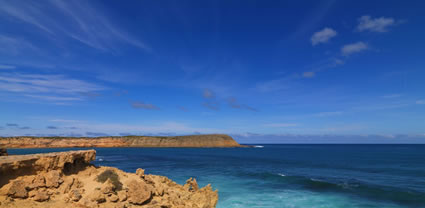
column 3, row 152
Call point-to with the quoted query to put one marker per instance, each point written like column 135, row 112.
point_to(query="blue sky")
column 262, row 71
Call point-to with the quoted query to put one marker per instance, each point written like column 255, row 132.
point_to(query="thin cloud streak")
column 381, row 24
column 142, row 105
column 353, row 48
column 84, row 22
column 323, row 36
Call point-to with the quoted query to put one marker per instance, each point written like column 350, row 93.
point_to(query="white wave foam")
column 283, row 175
column 258, row 146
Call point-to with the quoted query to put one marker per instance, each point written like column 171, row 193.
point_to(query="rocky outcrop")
column 211, row 140
column 3, row 152
column 67, row 179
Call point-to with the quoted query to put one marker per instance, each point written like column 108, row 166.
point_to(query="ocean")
column 286, row 175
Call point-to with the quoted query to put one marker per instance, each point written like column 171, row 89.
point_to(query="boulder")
column 53, row 179
column 75, row 195
column 108, row 187
column 38, row 182
column 139, row 192
column 97, row 196
column 122, row 195
column 191, row 185
column 113, row 198
column 41, row 196
column 140, row 172
column 18, row 190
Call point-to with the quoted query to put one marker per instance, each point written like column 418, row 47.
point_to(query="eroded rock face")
column 3, row 152
column 52, row 184
column 18, row 190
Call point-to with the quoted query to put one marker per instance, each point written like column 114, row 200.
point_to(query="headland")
column 67, row 179
column 208, row 140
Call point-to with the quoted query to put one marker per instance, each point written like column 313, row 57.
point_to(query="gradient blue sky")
column 262, row 71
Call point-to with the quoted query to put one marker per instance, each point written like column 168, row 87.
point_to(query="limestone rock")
column 140, row 172
column 138, row 192
column 113, row 198
column 191, row 185
column 122, row 195
column 108, row 187
column 75, row 195
column 209, row 140
column 41, row 196
column 18, row 190
column 45, row 180
column 53, row 179
column 97, row 196
column 38, row 182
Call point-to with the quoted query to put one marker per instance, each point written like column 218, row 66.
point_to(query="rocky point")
column 67, row 179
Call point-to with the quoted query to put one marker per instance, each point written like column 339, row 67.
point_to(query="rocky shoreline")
column 67, row 179
column 209, row 140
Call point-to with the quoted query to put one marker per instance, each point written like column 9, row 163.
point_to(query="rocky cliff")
column 3, row 152
column 211, row 140
column 67, row 179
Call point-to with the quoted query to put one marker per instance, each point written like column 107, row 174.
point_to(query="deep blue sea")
column 286, row 175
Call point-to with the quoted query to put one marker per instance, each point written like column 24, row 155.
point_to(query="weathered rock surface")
column 3, row 152
column 211, row 140
column 67, row 179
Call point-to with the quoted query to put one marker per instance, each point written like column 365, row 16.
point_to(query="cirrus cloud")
column 353, row 48
column 381, row 24
column 323, row 36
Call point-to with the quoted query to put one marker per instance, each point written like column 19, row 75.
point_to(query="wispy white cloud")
column 323, row 36
column 15, row 46
column 420, row 102
column 26, row 12
column 233, row 103
column 391, row 96
column 343, row 128
column 41, row 83
column 381, row 24
column 280, row 125
column 56, row 89
column 54, row 98
column 142, row 105
column 212, row 105
column 7, row 66
column 353, row 48
column 58, row 120
column 331, row 113
column 309, row 74
column 283, row 83
column 79, row 20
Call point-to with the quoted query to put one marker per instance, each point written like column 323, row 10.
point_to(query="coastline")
column 67, row 179
column 190, row 141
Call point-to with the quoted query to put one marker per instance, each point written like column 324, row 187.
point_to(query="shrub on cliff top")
column 111, row 175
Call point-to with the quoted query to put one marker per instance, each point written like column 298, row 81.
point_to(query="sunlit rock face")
column 210, row 140
column 67, row 179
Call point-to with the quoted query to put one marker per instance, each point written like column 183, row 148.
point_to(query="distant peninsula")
column 208, row 140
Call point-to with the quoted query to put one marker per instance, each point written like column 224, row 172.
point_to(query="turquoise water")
column 287, row 175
